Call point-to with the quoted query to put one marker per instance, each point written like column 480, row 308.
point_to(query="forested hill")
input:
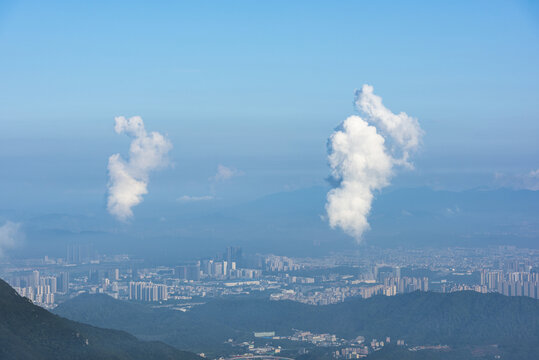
column 457, row 319
column 30, row 332
column 419, row 317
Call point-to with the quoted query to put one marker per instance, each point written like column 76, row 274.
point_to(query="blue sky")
column 259, row 86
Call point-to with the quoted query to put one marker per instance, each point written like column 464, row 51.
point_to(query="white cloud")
column 128, row 180
column 10, row 236
column 187, row 198
column 361, row 161
column 225, row 173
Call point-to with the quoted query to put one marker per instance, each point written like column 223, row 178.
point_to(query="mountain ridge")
column 458, row 319
column 29, row 332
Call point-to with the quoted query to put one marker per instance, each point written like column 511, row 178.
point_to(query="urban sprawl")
column 368, row 272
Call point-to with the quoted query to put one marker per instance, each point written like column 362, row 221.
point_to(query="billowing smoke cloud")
column 128, row 180
column 10, row 236
column 363, row 152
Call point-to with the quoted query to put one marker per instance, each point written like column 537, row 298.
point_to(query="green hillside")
column 418, row 318
column 30, row 332
column 459, row 319
column 173, row 327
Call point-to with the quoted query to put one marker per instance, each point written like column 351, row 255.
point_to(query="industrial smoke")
column 363, row 153
column 128, row 180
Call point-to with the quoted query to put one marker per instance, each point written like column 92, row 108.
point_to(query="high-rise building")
column 207, row 267
column 79, row 253
column 49, row 282
column 225, row 268
column 218, row 269
column 147, row 291
column 233, row 254
column 188, row 272
column 34, row 279
column 425, row 284
column 62, row 282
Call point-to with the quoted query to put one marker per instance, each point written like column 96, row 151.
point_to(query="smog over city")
column 269, row 180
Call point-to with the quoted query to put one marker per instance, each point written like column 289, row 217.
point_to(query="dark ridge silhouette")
column 30, row 332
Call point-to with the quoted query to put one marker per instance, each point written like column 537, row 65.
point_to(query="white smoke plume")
column 363, row 152
column 10, row 236
column 128, row 180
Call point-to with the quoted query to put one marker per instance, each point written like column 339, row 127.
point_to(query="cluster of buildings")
column 316, row 339
column 316, row 281
column 381, row 280
column 511, row 283
column 321, row 296
column 398, row 285
column 229, row 265
column 360, row 350
column 356, row 352
column 147, row 291
column 41, row 289
column 261, row 352
column 212, row 269
column 347, row 349
column 338, row 348
column 275, row 263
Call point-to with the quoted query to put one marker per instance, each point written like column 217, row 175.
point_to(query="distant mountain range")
column 28, row 332
column 463, row 320
column 293, row 223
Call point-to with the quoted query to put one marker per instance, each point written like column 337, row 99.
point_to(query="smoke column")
column 363, row 152
column 128, row 180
